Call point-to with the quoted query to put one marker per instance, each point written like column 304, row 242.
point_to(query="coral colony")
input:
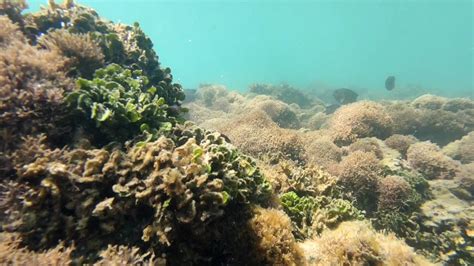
column 102, row 163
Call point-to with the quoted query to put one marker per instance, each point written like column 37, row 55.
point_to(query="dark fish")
column 390, row 83
column 345, row 96
column 331, row 108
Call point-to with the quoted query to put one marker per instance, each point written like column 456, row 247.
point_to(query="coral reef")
column 275, row 243
column 84, row 53
column 461, row 150
column 367, row 145
column 119, row 104
column 359, row 120
column 257, row 135
column 11, row 253
column 428, row 159
column 359, row 173
column 283, row 92
column 356, row 243
column 401, row 143
column 321, row 150
column 86, row 195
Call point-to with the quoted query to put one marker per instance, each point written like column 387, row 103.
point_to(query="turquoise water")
column 309, row 44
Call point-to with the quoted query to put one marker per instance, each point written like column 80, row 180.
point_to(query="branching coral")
column 359, row 120
column 13, row 9
column 427, row 158
column 394, row 192
column 275, row 243
column 32, row 83
column 462, row 150
column 356, row 243
column 84, row 53
column 401, row 143
column 321, row 150
column 358, row 174
column 11, row 253
column 278, row 111
column 122, row 255
column 367, row 145
column 257, row 135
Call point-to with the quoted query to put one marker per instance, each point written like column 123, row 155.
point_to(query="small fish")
column 390, row 83
column 345, row 96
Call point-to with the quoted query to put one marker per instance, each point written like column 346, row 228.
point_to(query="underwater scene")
column 236, row 132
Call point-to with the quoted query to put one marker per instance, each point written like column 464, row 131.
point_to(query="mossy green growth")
column 120, row 104
column 311, row 215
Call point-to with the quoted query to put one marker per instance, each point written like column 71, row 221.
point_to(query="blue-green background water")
column 310, row 44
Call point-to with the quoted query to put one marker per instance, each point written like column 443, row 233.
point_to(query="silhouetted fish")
column 345, row 96
column 390, row 83
column 331, row 108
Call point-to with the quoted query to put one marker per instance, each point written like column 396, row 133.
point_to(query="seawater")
column 427, row 45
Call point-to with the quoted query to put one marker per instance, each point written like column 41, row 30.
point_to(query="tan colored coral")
column 84, row 52
column 462, row 150
column 9, row 32
column 11, row 253
column 358, row 175
column 367, row 145
column 278, row 111
column 429, row 101
column 401, row 143
column 320, row 150
column 393, row 192
column 356, row 243
column 122, row 255
column 359, row 120
column 317, row 121
column 275, row 242
column 256, row 134
column 428, row 159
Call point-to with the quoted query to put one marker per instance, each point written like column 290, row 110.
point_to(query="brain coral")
column 427, row 158
column 359, row 120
